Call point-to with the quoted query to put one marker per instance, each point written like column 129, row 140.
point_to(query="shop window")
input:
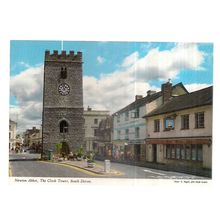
column 199, row 152
column 183, row 155
column 188, row 152
column 184, row 152
column 199, row 120
column 184, row 121
column 178, row 152
column 168, row 151
column 173, row 153
column 193, row 152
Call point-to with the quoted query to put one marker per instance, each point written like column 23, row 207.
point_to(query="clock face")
column 64, row 89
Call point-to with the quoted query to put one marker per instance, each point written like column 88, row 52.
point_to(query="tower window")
column 63, row 127
column 63, row 73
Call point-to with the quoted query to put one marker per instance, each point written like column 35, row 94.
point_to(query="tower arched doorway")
column 65, row 149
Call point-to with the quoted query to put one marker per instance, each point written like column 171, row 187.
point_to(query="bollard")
column 107, row 166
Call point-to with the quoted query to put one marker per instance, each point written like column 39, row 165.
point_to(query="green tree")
column 58, row 148
column 80, row 151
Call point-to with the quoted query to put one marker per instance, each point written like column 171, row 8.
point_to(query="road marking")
column 149, row 171
column 116, row 172
column 73, row 167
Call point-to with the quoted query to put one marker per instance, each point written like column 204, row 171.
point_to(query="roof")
column 191, row 100
column 147, row 99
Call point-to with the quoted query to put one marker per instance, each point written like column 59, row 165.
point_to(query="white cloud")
column 130, row 60
column 26, row 65
column 111, row 91
column 100, row 59
column 196, row 86
column 166, row 64
column 28, row 85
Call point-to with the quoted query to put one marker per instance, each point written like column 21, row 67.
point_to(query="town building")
column 129, row 126
column 179, row 132
column 62, row 119
column 33, row 139
column 92, row 119
column 103, row 145
column 12, row 134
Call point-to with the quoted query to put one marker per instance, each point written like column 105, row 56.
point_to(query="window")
column 95, row 132
column 63, row 127
column 199, row 120
column 137, row 112
column 168, row 151
column 194, row 154
column 118, row 135
column 178, row 152
column 137, row 131
column 126, row 134
column 63, row 73
column 169, row 123
column 126, row 116
column 118, row 118
column 182, row 153
column 157, row 125
column 96, row 121
column 173, row 152
column 184, row 121
column 190, row 152
column 199, row 152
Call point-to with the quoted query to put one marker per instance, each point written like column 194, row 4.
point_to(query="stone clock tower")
column 63, row 120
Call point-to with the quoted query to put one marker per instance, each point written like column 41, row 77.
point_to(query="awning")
column 180, row 141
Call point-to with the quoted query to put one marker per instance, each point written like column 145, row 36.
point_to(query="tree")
column 58, row 148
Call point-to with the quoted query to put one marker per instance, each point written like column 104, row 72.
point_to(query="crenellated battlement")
column 63, row 56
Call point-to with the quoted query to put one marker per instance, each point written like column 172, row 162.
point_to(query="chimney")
column 166, row 90
column 150, row 92
column 138, row 97
column 89, row 109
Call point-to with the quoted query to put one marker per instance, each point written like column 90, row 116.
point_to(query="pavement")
column 97, row 169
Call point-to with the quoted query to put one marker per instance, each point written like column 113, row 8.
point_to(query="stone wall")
column 57, row 107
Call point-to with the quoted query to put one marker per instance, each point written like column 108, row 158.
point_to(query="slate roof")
column 147, row 99
column 191, row 100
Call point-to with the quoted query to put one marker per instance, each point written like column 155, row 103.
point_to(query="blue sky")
column 118, row 70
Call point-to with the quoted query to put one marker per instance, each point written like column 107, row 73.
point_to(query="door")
column 65, row 149
column 137, row 152
column 154, row 153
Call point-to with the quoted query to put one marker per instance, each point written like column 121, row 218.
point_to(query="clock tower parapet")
column 63, row 56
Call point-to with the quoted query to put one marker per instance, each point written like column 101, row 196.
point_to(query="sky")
column 113, row 72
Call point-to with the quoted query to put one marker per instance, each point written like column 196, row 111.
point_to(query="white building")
column 129, row 126
column 92, row 119
column 180, row 131
column 12, row 134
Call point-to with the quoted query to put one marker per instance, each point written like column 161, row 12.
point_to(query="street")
column 28, row 165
